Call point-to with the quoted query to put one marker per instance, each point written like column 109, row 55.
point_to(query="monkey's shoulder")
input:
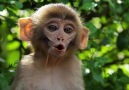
column 26, row 63
column 75, row 60
column 27, row 60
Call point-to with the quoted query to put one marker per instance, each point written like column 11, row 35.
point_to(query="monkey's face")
column 55, row 29
column 59, row 33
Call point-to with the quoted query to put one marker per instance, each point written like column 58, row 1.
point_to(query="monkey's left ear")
column 84, row 38
column 25, row 25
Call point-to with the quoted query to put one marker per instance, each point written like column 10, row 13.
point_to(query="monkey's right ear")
column 25, row 25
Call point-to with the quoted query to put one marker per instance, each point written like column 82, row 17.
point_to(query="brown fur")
column 33, row 76
column 40, row 70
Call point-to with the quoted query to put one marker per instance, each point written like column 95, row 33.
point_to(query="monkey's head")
column 55, row 29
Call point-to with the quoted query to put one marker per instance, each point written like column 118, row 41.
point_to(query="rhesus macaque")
column 55, row 32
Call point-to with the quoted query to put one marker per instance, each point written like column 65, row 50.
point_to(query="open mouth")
column 59, row 47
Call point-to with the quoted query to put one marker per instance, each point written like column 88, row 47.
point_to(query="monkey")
column 55, row 32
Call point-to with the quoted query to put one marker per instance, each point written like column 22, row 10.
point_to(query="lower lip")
column 59, row 51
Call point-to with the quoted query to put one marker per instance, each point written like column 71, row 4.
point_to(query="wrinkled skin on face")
column 60, row 33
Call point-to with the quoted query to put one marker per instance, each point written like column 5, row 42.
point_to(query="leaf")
column 91, row 27
column 100, row 61
column 124, row 79
column 3, row 82
column 13, row 45
column 12, row 12
column 123, row 40
column 97, row 76
column 2, row 7
column 88, row 6
column 13, row 57
column 63, row 1
column 19, row 5
column 126, row 16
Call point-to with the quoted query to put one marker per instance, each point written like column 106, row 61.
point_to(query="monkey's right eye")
column 52, row 28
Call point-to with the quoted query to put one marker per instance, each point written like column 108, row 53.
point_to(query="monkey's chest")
column 51, row 80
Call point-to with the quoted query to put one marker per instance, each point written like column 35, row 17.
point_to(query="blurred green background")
column 106, row 59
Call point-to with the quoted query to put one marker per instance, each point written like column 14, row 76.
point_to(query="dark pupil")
column 67, row 30
column 52, row 28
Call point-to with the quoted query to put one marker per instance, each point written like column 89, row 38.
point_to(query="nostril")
column 58, row 39
column 62, row 39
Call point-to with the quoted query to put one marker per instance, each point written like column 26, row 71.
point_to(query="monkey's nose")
column 60, row 39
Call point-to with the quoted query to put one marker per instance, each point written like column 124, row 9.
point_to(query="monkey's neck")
column 48, row 60
column 53, row 60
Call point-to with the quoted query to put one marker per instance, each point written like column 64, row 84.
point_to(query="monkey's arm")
column 16, row 85
column 23, row 66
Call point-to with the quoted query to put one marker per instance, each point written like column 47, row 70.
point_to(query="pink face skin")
column 60, row 33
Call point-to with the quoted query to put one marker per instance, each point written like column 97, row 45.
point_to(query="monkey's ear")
column 25, row 25
column 84, row 38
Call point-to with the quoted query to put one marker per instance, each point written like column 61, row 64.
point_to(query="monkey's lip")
column 59, row 47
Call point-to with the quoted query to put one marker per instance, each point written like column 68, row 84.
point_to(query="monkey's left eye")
column 68, row 30
column 52, row 28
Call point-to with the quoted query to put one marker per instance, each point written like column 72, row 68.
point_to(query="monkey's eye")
column 68, row 30
column 52, row 28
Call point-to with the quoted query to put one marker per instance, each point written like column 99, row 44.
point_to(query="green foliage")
column 106, row 59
